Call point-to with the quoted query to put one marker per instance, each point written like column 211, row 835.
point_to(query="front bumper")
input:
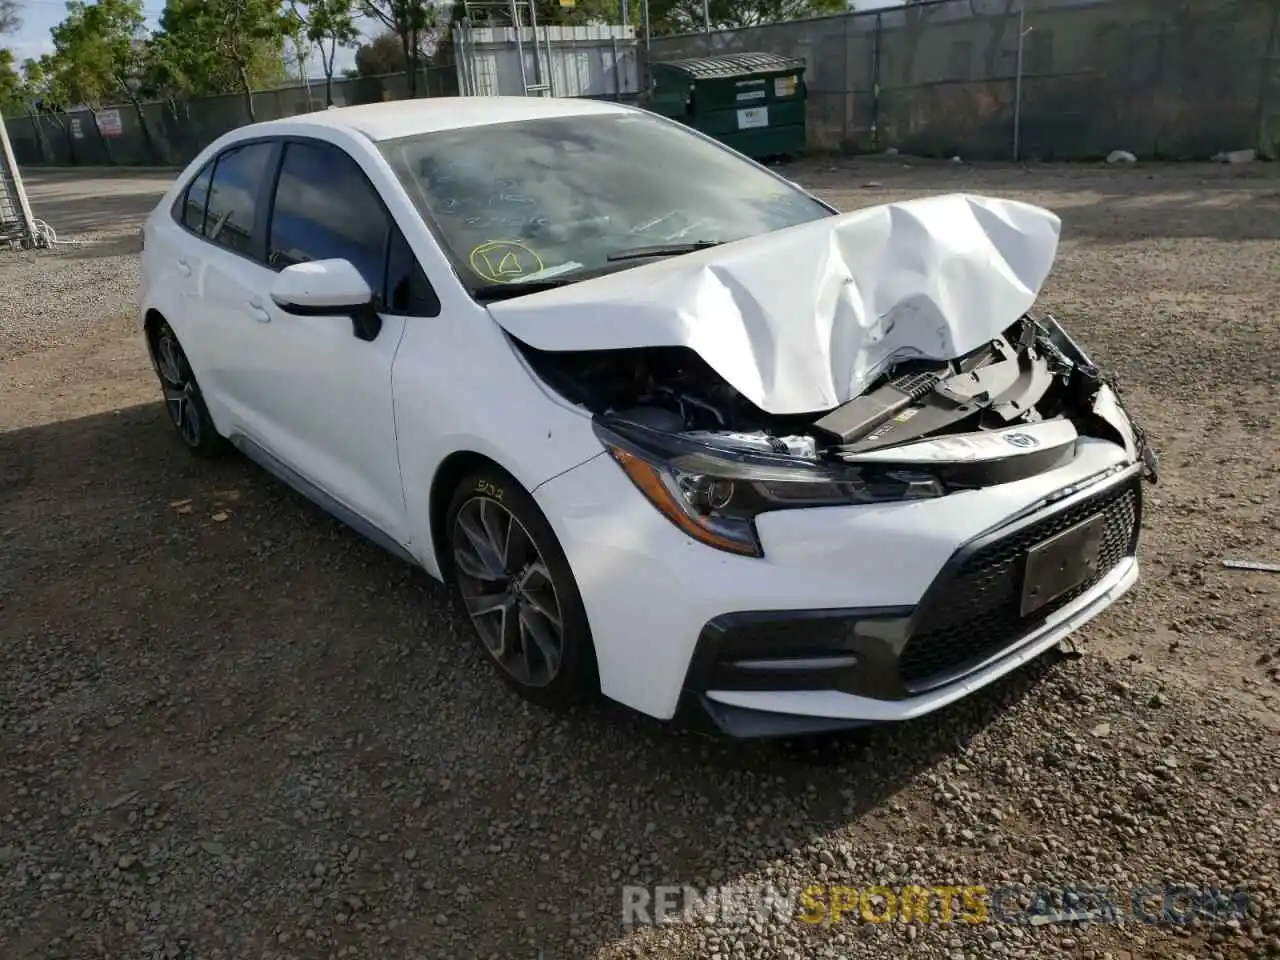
column 855, row 614
column 791, row 713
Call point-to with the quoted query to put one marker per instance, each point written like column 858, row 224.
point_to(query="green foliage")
column 383, row 54
column 415, row 22
column 584, row 12
column 680, row 16
column 206, row 47
column 685, row 16
column 13, row 90
column 98, row 51
column 328, row 25
column 418, row 25
column 46, row 83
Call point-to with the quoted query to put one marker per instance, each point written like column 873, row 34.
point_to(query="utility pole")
column 1023, row 30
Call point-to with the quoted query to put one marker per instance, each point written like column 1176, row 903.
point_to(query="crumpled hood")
column 804, row 319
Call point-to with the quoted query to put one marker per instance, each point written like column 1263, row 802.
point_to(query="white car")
column 675, row 430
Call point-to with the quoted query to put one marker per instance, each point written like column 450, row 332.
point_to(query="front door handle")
column 258, row 311
column 184, row 268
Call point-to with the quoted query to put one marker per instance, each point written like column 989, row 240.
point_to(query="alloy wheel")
column 179, row 388
column 508, row 591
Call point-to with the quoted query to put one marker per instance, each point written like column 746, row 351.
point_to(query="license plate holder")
column 1061, row 563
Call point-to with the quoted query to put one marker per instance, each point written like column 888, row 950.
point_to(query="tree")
column 12, row 88
column 1002, row 20
column 381, row 55
column 328, row 24
column 918, row 13
column 221, row 46
column 685, row 16
column 46, row 94
column 10, row 21
column 47, row 83
column 296, row 51
column 416, row 23
column 98, row 55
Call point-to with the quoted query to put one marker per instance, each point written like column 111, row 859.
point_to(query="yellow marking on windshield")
column 505, row 261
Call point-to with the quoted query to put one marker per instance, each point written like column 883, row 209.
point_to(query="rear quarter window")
column 189, row 208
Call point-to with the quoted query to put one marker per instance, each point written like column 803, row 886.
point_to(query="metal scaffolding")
column 504, row 13
column 17, row 226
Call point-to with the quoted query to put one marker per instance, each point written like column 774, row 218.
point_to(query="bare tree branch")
column 10, row 19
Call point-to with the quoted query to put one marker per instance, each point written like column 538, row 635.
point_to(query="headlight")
column 714, row 495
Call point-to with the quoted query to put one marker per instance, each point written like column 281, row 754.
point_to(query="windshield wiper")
column 505, row 291
column 663, row 250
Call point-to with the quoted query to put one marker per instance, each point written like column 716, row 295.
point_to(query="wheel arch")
column 584, row 678
column 448, row 475
column 151, row 321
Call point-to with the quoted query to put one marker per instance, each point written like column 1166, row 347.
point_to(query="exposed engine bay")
column 1033, row 374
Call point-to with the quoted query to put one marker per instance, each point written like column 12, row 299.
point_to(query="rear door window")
column 232, row 210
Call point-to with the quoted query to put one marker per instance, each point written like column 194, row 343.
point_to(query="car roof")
column 404, row 118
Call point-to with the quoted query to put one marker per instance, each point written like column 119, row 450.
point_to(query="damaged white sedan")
column 673, row 429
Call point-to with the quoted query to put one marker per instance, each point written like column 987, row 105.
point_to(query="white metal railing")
column 17, row 226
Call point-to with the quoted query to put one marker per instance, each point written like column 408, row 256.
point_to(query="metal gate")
column 17, row 227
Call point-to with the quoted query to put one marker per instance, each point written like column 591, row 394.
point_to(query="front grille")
column 973, row 610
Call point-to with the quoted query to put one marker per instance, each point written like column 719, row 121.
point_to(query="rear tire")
column 182, row 398
column 511, row 578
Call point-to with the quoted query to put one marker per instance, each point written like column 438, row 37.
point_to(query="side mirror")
column 328, row 288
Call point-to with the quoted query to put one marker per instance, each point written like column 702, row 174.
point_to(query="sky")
column 40, row 16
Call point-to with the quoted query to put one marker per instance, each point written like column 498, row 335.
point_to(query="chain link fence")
column 171, row 133
column 1171, row 79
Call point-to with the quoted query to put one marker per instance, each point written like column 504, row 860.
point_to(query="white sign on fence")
column 109, row 123
column 77, row 130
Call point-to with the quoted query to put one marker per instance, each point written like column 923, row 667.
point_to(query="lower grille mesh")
column 974, row 612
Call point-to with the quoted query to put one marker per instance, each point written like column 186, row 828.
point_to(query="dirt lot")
column 237, row 730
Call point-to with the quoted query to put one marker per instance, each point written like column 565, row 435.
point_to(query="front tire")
column 182, row 398
column 513, row 581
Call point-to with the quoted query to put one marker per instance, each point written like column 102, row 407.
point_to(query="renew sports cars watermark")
column 1035, row 905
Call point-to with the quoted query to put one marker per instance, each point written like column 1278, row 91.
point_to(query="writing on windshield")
column 559, row 195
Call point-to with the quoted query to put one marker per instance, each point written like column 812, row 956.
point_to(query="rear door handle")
column 258, row 311
column 184, row 268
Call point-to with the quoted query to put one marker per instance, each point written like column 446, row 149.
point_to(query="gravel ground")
column 229, row 728
column 90, row 279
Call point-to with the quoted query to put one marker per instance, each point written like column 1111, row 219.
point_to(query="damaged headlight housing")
column 714, row 494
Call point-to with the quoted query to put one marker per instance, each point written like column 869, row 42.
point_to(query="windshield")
column 561, row 199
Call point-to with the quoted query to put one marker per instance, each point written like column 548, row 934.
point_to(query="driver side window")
column 326, row 208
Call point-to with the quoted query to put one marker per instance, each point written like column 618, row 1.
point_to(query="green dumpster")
column 753, row 102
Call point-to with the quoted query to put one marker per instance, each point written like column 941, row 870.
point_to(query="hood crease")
column 806, row 318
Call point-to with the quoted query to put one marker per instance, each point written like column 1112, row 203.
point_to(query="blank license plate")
column 1061, row 563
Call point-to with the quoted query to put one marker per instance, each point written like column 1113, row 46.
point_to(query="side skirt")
column 268, row 462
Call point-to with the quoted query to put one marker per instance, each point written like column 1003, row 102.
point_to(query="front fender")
column 460, row 387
